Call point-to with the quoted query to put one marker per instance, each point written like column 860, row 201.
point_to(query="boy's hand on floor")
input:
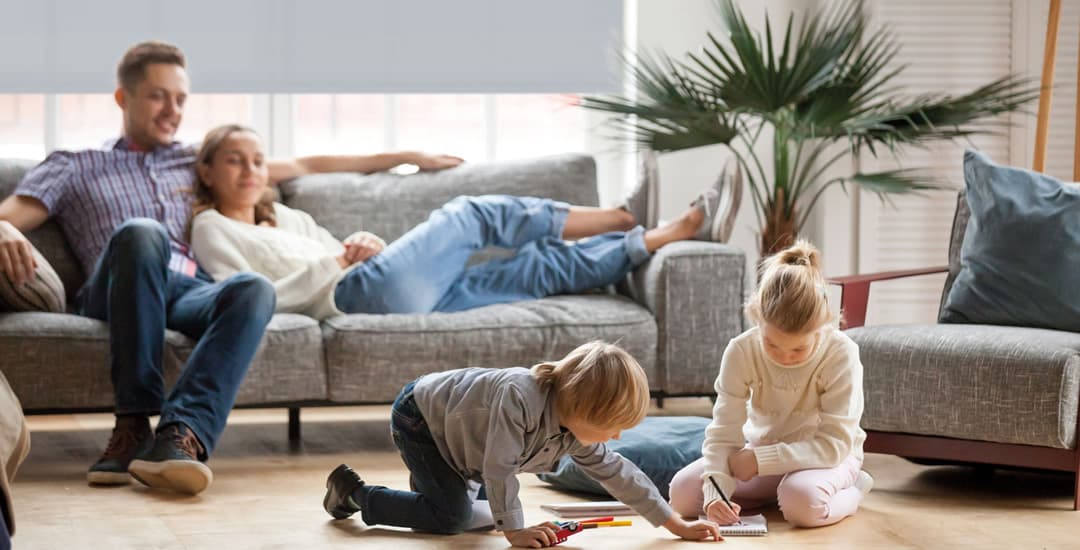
column 538, row 536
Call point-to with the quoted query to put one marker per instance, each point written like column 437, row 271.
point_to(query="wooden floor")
column 266, row 495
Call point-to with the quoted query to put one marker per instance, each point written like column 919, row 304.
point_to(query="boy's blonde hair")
column 791, row 295
column 599, row 384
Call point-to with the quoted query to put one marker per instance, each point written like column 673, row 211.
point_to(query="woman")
column 237, row 226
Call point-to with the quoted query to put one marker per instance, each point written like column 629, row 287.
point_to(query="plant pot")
column 778, row 231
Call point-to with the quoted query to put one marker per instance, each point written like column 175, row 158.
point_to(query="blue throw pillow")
column 660, row 446
column 1021, row 253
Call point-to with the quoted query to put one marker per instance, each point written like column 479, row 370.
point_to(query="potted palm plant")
column 827, row 93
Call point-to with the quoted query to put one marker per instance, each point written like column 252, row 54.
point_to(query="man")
column 123, row 209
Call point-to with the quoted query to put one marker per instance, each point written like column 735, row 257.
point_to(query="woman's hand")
column 722, row 514
column 743, row 465
column 359, row 247
column 694, row 530
column 538, row 536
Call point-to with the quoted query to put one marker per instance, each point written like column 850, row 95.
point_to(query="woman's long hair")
column 204, row 198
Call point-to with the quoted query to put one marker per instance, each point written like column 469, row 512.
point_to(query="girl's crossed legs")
column 807, row 498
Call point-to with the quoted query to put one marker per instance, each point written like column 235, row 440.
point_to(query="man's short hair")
column 132, row 67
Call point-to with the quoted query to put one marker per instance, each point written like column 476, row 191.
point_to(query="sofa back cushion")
column 1017, row 261
column 48, row 239
column 390, row 204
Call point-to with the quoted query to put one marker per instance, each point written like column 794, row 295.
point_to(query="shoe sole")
column 108, row 478
column 182, row 476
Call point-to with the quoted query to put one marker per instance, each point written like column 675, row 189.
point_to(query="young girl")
column 801, row 443
column 462, row 428
column 237, row 228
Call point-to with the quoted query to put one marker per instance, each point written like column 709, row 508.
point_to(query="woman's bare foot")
column 682, row 229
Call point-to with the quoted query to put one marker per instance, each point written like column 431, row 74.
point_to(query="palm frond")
column 902, row 181
column 894, row 121
column 669, row 113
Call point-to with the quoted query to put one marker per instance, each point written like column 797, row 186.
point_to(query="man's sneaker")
column 340, row 485
column 864, row 482
column 643, row 203
column 130, row 436
column 720, row 203
column 173, row 462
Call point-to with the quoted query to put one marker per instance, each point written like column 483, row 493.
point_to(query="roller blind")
column 320, row 46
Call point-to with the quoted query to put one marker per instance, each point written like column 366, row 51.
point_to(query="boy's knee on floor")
column 454, row 524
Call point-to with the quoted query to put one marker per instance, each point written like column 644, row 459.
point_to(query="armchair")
column 981, row 394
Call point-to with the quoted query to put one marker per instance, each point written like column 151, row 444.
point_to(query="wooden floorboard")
column 266, row 495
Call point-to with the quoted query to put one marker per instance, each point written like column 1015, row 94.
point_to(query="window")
column 22, row 126
column 88, row 120
column 532, row 125
column 476, row 127
column 453, row 124
column 339, row 124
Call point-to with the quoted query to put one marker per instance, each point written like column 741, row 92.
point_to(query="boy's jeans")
column 441, row 501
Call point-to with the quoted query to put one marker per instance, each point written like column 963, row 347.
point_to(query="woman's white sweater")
column 298, row 256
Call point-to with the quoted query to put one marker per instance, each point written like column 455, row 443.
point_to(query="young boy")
column 460, row 428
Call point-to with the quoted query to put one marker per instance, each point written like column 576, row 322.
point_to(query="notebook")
column 749, row 526
column 588, row 509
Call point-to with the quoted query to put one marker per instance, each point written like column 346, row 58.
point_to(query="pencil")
column 626, row 523
column 723, row 496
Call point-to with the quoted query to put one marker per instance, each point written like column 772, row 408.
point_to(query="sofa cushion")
column 389, row 204
column 56, row 360
column 289, row 365
column 370, row 357
column 1015, row 265
column 660, row 446
column 979, row 382
column 47, row 239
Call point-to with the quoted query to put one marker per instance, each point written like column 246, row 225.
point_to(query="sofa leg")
column 659, row 401
column 1076, row 492
column 294, row 425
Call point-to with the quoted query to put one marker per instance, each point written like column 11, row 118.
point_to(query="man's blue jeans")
column 133, row 290
column 425, row 270
column 440, row 501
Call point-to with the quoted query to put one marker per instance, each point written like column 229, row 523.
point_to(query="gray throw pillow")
column 1021, row 253
column 44, row 292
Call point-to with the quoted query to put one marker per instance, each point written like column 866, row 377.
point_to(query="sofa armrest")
column 696, row 292
column 855, row 291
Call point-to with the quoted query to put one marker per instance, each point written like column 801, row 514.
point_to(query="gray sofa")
column 675, row 314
